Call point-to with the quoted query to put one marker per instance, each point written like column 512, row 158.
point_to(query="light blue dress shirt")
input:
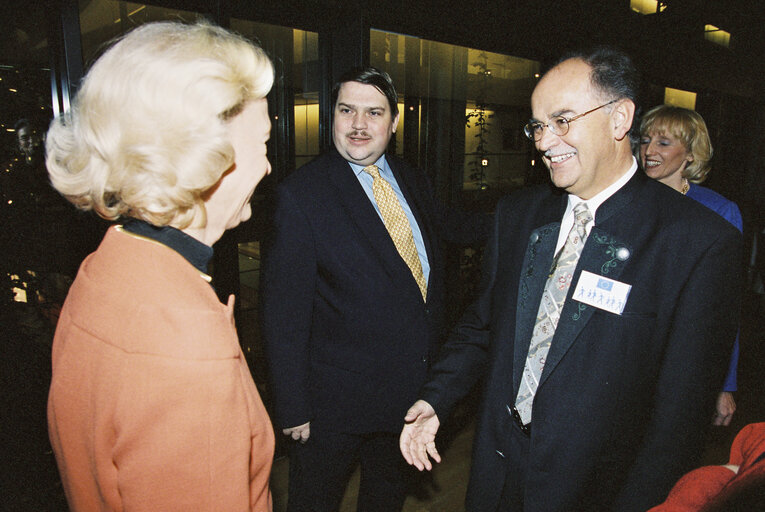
column 385, row 173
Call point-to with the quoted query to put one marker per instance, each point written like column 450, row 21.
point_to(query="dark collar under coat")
column 194, row 251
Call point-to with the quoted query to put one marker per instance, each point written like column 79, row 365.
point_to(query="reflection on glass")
column 103, row 20
column 680, row 98
column 716, row 35
column 25, row 96
column 25, row 91
column 464, row 101
column 39, row 255
column 294, row 106
column 295, row 97
column 306, row 129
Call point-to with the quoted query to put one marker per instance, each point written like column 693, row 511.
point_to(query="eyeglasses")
column 557, row 125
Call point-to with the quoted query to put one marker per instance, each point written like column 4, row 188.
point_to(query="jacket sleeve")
column 463, row 359
column 287, row 294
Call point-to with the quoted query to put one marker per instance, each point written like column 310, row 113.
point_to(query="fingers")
column 300, row 433
column 723, row 420
column 433, row 452
column 413, row 412
column 417, row 448
column 726, row 406
column 403, row 443
column 421, row 410
column 421, row 459
column 418, row 435
column 410, row 447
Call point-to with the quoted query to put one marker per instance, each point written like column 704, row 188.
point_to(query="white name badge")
column 602, row 292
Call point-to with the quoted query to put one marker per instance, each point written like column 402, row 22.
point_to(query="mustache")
column 357, row 133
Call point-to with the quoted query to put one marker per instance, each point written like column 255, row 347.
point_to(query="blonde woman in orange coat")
column 152, row 406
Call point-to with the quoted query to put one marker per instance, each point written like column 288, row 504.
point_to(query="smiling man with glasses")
column 603, row 342
column 558, row 124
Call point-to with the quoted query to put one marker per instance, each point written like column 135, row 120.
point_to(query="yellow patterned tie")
column 397, row 225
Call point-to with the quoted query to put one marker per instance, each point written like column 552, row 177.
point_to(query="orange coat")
column 152, row 406
column 710, row 485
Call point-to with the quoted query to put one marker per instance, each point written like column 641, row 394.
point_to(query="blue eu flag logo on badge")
column 605, row 284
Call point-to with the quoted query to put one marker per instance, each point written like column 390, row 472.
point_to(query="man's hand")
column 725, row 408
column 300, row 433
column 418, row 437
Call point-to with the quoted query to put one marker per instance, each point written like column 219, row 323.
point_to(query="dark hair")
column 613, row 75
column 380, row 80
column 22, row 123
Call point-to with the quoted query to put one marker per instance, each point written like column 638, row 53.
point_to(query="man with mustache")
column 605, row 317
column 353, row 302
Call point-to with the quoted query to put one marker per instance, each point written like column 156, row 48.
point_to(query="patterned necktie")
column 553, row 297
column 397, row 225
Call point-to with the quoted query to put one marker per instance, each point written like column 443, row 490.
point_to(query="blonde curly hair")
column 688, row 127
column 146, row 136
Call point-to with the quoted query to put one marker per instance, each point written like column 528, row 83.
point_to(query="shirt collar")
column 594, row 202
column 194, row 251
column 380, row 163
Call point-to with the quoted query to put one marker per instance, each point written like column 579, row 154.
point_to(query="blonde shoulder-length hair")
column 689, row 128
column 146, row 136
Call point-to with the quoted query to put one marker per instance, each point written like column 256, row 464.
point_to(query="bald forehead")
column 566, row 84
column 569, row 74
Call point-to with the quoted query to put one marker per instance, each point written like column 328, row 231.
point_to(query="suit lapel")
column 604, row 254
column 354, row 200
column 534, row 272
column 536, row 267
column 413, row 197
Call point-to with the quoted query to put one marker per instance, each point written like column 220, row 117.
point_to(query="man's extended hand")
column 418, row 437
column 300, row 433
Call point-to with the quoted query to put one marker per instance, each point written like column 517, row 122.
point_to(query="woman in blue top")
column 675, row 149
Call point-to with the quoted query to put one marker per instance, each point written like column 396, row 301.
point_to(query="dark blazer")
column 347, row 335
column 623, row 400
